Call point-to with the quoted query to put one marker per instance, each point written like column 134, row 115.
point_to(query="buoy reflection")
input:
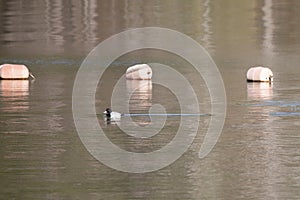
column 259, row 91
column 14, row 95
column 140, row 92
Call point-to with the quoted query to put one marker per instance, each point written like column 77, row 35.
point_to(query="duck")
column 112, row 115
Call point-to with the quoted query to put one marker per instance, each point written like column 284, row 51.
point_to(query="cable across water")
column 164, row 114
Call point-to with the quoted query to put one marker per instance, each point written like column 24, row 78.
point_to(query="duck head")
column 107, row 112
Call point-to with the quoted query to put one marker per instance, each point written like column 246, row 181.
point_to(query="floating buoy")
column 14, row 71
column 139, row 72
column 259, row 74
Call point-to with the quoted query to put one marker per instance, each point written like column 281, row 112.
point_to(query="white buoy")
column 259, row 74
column 14, row 71
column 139, row 72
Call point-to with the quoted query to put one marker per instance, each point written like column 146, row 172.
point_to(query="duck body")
column 112, row 115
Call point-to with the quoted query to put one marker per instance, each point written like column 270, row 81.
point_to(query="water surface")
column 257, row 155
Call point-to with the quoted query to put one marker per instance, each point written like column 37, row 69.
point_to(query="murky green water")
column 257, row 155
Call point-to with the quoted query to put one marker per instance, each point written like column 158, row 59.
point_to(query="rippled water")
column 257, row 155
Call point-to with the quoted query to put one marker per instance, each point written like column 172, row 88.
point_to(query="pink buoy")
column 139, row 72
column 259, row 74
column 14, row 71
